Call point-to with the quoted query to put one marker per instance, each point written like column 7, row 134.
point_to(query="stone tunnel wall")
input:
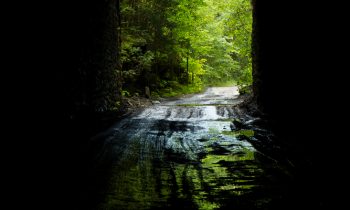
column 298, row 53
column 87, row 80
column 293, row 63
column 74, row 91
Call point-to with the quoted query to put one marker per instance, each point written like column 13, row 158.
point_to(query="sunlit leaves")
column 159, row 37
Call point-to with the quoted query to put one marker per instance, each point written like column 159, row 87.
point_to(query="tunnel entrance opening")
column 183, row 46
column 288, row 76
column 185, row 153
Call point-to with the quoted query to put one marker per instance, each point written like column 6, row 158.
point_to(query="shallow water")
column 183, row 155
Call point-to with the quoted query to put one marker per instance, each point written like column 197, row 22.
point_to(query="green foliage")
column 180, row 46
column 176, row 89
column 245, row 89
column 247, row 133
column 125, row 93
column 228, row 49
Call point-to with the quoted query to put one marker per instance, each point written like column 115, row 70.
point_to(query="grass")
column 174, row 89
column 223, row 84
column 179, row 90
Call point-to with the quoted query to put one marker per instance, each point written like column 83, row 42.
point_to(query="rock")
column 256, row 122
column 203, row 139
column 215, row 144
column 236, row 125
column 250, row 122
column 130, row 103
column 202, row 154
column 219, row 150
column 242, row 138
column 147, row 92
column 155, row 102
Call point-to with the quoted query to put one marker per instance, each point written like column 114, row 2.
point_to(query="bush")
column 245, row 89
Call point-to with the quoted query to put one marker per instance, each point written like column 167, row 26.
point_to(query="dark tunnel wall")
column 86, row 78
column 74, row 80
column 297, row 58
column 298, row 52
column 298, row 83
column 294, row 64
column 290, row 58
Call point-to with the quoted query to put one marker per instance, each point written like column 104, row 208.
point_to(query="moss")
column 247, row 133
column 213, row 131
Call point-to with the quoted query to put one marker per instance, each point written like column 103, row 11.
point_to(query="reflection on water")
column 149, row 177
column 187, row 157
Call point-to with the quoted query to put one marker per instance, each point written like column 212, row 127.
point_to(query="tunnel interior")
column 292, row 58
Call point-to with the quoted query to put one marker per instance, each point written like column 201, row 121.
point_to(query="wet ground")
column 187, row 154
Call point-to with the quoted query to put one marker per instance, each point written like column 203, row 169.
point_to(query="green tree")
column 169, row 45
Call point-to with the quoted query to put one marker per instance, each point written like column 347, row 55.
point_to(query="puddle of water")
column 153, row 184
column 151, row 177
column 186, row 157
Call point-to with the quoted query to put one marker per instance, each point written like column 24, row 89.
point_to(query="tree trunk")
column 192, row 77
column 188, row 76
